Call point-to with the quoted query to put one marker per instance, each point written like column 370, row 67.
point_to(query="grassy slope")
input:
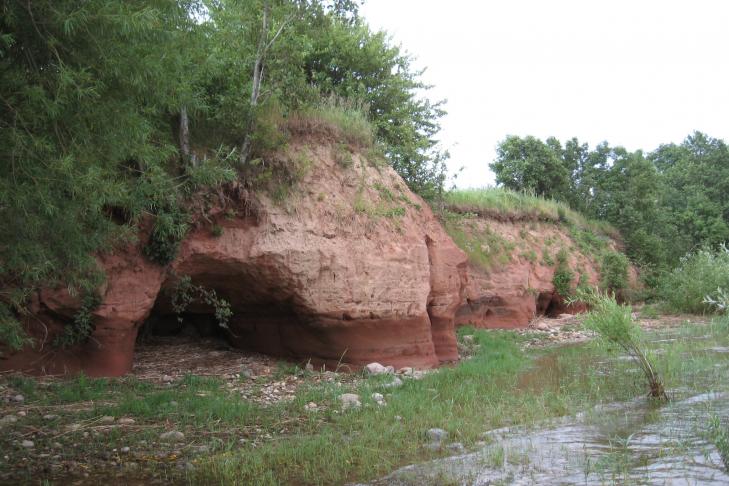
column 501, row 385
column 487, row 249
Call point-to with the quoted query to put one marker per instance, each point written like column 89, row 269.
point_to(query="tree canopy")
column 665, row 203
column 108, row 105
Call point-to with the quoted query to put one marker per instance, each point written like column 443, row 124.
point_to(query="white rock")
column 172, row 436
column 125, row 450
column 22, row 413
column 8, row 419
column 106, row 419
column 468, row 338
column 378, row 369
column 28, row 444
column 437, row 435
column 50, row 417
column 167, row 379
column 395, row 383
column 350, row 400
column 19, row 398
column 126, row 421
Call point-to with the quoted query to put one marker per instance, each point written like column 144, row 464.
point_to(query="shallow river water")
column 622, row 443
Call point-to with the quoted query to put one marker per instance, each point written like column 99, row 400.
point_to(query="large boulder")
column 350, row 268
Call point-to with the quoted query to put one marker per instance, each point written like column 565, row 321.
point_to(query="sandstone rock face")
column 352, row 268
column 518, row 285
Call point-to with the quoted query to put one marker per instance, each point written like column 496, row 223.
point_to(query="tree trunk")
column 184, row 135
column 256, row 88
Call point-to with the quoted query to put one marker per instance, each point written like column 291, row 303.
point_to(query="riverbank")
column 255, row 421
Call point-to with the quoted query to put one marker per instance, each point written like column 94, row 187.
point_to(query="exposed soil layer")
column 516, row 284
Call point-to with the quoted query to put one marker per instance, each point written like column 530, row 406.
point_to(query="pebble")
column 126, row 421
column 167, row 379
column 28, row 444
column 57, row 445
column 173, row 403
column 50, row 417
column 378, row 369
column 106, row 419
column 125, row 450
column 19, row 398
column 395, row 383
column 437, row 435
column 22, row 413
column 378, row 398
column 350, row 400
column 311, row 406
column 172, row 436
column 8, row 419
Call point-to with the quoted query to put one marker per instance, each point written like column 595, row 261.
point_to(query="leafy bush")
column 83, row 323
column 614, row 325
column 614, row 271
column 698, row 275
column 12, row 333
column 164, row 241
column 563, row 275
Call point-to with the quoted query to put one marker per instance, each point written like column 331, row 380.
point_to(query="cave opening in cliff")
column 550, row 305
column 259, row 316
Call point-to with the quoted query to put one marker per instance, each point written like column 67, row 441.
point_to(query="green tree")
column 528, row 164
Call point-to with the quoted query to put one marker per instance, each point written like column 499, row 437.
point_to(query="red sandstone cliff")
column 517, row 284
column 352, row 267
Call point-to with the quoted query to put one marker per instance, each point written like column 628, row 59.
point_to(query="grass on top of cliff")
column 506, row 205
column 229, row 438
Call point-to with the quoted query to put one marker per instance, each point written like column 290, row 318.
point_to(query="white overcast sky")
column 635, row 73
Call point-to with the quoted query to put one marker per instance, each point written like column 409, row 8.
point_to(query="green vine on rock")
column 186, row 293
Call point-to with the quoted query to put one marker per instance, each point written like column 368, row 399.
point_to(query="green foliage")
column 80, row 329
column 528, row 164
column 12, row 334
column 547, row 257
column 563, row 275
column 167, row 234
column 699, row 274
column 719, row 436
column 614, row 325
column 484, row 247
column 614, row 271
column 664, row 204
column 217, row 230
column 186, row 293
column 93, row 98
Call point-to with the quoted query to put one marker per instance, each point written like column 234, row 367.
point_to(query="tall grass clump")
column 698, row 282
column 614, row 326
column 342, row 118
column 505, row 204
column 719, row 435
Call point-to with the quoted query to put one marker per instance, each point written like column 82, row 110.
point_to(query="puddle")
column 628, row 443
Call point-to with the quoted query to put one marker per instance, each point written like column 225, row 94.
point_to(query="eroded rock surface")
column 352, row 268
column 513, row 291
